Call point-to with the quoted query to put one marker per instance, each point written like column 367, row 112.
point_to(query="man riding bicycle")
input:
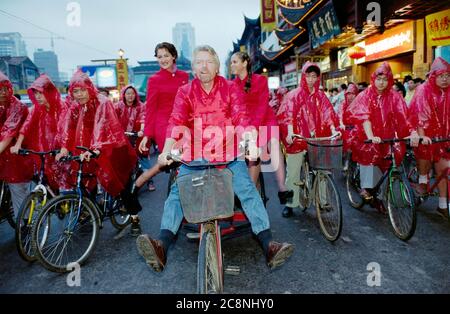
column 429, row 113
column 204, row 119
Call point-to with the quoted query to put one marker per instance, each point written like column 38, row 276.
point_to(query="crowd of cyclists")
column 177, row 110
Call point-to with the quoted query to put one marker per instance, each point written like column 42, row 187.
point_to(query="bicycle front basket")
column 325, row 154
column 206, row 195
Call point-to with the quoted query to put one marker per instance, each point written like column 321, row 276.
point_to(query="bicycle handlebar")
column 25, row 152
column 388, row 140
column 132, row 134
column 318, row 139
column 209, row 164
column 71, row 157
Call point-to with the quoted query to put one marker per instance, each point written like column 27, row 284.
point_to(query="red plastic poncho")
column 204, row 124
column 260, row 114
column 42, row 127
column 430, row 110
column 309, row 113
column 387, row 113
column 13, row 168
column 277, row 99
column 161, row 91
column 130, row 117
column 349, row 134
column 95, row 125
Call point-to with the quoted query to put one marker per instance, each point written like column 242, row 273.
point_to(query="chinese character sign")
column 122, row 73
column 438, row 28
column 268, row 15
column 323, row 26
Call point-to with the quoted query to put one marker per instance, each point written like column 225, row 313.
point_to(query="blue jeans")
column 243, row 187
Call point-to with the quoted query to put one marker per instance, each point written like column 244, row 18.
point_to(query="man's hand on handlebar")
column 163, row 160
column 375, row 139
column 143, row 145
column 87, row 155
column 63, row 153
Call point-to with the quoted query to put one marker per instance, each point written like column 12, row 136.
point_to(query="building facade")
column 183, row 36
column 12, row 45
column 47, row 61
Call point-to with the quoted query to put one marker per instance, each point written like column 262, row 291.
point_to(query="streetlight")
column 121, row 53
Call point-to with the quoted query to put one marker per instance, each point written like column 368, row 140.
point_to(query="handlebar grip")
column 94, row 154
column 23, row 152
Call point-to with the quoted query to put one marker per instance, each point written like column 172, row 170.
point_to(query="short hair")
column 206, row 48
column 344, row 86
column 313, row 68
column 407, row 78
column 418, row 80
column 169, row 47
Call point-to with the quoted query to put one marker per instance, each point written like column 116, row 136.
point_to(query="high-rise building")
column 47, row 62
column 184, row 39
column 12, row 44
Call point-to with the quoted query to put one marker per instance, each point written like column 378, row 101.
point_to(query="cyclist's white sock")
column 423, row 179
column 442, row 202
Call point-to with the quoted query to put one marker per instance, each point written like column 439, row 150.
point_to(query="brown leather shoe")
column 278, row 253
column 152, row 251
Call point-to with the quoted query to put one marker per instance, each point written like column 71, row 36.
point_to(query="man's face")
column 165, row 59
column 3, row 93
column 381, row 82
column 350, row 97
column 130, row 96
column 81, row 95
column 205, row 67
column 40, row 98
column 311, row 79
column 442, row 80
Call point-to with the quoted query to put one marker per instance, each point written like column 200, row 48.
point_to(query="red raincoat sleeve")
column 16, row 116
column 117, row 158
column 262, row 90
column 329, row 116
column 180, row 113
column 31, row 120
column 358, row 111
column 151, row 103
column 420, row 111
column 68, row 126
column 140, row 117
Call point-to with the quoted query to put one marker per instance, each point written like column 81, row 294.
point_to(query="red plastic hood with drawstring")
column 387, row 113
column 95, row 125
column 13, row 168
column 430, row 109
column 209, row 119
column 309, row 113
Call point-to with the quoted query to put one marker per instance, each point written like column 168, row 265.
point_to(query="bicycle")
column 197, row 191
column 6, row 207
column 317, row 186
column 398, row 193
column 32, row 206
column 75, row 220
column 430, row 191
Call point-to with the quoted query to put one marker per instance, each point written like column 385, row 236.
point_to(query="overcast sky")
column 134, row 25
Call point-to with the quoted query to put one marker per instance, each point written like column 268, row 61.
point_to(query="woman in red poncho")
column 378, row 113
column 42, row 127
column 161, row 90
column 92, row 122
column 17, row 171
column 307, row 111
column 130, row 111
column 262, row 117
column 429, row 112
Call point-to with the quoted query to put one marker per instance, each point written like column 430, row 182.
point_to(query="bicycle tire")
column 120, row 217
column 172, row 178
column 57, row 210
column 209, row 273
column 305, row 186
column 331, row 228
column 353, row 186
column 262, row 188
column 398, row 185
column 6, row 204
column 24, row 227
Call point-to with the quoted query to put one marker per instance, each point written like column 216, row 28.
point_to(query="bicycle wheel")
column 353, row 185
column 119, row 214
column 328, row 206
column 209, row 265
column 27, row 216
column 172, row 178
column 262, row 188
column 6, row 204
column 401, row 207
column 72, row 234
column 305, row 186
